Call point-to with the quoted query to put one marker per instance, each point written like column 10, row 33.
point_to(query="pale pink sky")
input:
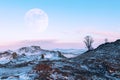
column 66, row 22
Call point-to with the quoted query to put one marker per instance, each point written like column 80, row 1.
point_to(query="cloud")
column 51, row 44
column 44, row 44
column 99, row 34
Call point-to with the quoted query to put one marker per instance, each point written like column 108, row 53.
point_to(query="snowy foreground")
column 20, row 64
column 34, row 63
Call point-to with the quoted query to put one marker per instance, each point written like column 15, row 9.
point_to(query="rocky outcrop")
column 31, row 49
column 4, row 54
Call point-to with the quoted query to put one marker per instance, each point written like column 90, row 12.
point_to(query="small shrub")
column 14, row 55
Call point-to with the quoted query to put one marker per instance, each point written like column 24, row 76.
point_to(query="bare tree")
column 88, row 42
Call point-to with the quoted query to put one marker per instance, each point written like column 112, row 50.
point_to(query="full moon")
column 36, row 20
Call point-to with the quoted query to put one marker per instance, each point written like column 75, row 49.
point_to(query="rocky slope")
column 102, row 63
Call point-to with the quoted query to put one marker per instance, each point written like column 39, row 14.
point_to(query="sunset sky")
column 69, row 21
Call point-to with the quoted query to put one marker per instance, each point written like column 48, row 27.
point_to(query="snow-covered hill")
column 18, row 64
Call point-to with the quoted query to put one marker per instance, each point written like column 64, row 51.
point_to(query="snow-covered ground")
column 23, row 73
column 21, row 68
column 18, row 69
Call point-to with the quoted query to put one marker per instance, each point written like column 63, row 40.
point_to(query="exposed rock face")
column 31, row 49
column 60, row 54
column 4, row 54
column 36, row 47
column 14, row 55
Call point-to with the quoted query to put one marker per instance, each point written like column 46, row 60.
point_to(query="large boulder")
column 14, row 55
